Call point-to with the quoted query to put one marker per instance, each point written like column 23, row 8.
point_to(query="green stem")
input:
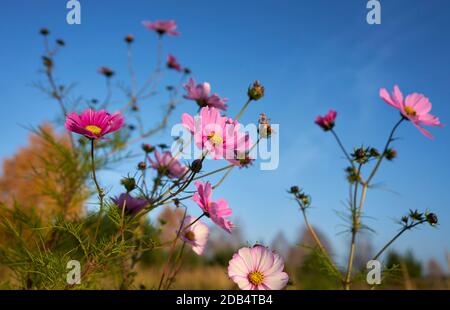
column 342, row 147
column 243, row 109
column 390, row 139
column 100, row 191
column 396, row 237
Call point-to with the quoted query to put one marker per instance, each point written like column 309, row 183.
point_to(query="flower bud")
column 196, row 165
column 374, row 153
column 432, row 219
column 128, row 183
column 107, row 72
column 44, row 31
column 187, row 71
column 390, row 154
column 129, row 39
column 48, row 62
column 361, row 155
column 60, row 42
column 294, row 189
column 142, row 165
column 147, row 148
column 256, row 91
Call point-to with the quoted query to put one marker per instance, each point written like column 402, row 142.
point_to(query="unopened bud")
column 142, row 165
column 256, row 91
column 128, row 183
column 432, row 219
column 147, row 148
column 196, row 165
column 390, row 154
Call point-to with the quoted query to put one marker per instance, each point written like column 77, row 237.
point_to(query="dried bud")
column 196, row 165
column 176, row 202
column 361, row 155
column 148, row 148
column 48, row 62
column 294, row 189
column 432, row 219
column 44, row 31
column 129, row 39
column 352, row 175
column 265, row 130
column 374, row 153
column 415, row 215
column 142, row 165
column 60, row 42
column 187, row 71
column 108, row 72
column 256, row 91
column 128, row 183
column 390, row 154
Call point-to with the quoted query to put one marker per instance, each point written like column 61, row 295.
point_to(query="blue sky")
column 310, row 55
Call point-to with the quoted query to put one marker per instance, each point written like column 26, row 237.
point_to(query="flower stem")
column 318, row 242
column 244, row 107
column 396, row 237
column 342, row 147
column 100, row 191
column 390, row 139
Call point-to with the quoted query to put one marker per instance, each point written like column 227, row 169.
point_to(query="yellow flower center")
column 190, row 235
column 94, row 129
column 410, row 111
column 215, row 138
column 256, row 277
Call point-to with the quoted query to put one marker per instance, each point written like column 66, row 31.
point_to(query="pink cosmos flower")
column 326, row 122
column 168, row 165
column 257, row 268
column 162, row 27
column 195, row 234
column 132, row 205
column 172, row 63
column 217, row 210
column 219, row 136
column 201, row 94
column 94, row 124
column 415, row 107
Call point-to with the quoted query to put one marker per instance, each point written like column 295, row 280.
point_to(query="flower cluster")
column 219, row 136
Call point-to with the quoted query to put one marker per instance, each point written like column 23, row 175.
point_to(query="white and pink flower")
column 195, row 234
column 257, row 268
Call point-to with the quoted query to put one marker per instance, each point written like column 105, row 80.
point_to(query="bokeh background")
column 310, row 56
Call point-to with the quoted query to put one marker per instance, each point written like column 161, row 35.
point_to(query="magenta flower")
column 217, row 210
column 132, row 205
column 326, row 122
column 415, row 107
column 162, row 27
column 168, row 165
column 94, row 124
column 172, row 63
column 195, row 234
column 257, row 268
column 200, row 93
column 217, row 135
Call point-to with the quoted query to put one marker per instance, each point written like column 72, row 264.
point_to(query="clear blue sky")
column 310, row 55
